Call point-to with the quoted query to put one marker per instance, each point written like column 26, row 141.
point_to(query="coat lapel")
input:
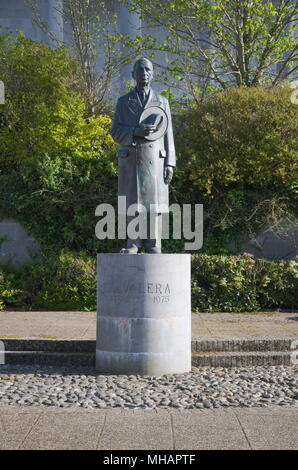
column 135, row 105
column 134, row 102
column 153, row 99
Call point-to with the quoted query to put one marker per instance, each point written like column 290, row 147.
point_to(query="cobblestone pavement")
column 201, row 388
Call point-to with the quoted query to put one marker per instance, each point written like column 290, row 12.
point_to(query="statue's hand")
column 168, row 174
column 144, row 129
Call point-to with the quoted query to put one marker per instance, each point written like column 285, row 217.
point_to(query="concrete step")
column 241, row 359
column 49, row 358
column 241, row 345
column 49, row 345
column 215, row 353
column 201, row 359
column 88, row 346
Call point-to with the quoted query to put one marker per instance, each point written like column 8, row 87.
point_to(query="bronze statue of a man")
column 142, row 127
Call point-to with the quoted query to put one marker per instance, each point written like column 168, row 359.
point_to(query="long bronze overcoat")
column 141, row 162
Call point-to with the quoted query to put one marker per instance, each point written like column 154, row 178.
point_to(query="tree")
column 224, row 43
column 93, row 42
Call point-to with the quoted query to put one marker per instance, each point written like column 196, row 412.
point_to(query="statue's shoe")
column 133, row 250
column 155, row 250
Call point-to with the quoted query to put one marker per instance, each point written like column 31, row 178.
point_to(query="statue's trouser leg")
column 131, row 243
column 153, row 236
column 154, row 230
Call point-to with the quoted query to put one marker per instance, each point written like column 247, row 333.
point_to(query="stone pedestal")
column 143, row 314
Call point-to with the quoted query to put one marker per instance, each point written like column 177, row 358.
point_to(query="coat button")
column 150, row 162
column 150, row 145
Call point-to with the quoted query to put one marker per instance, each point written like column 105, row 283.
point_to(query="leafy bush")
column 219, row 283
column 243, row 284
column 8, row 293
column 56, row 161
column 237, row 155
column 277, row 283
column 224, row 283
column 66, row 282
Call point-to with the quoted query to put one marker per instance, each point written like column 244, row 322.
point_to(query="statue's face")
column 143, row 73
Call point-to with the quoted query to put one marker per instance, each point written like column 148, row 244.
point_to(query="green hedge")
column 237, row 155
column 243, row 283
column 219, row 283
column 64, row 282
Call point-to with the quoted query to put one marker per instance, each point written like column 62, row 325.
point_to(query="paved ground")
column 114, row 429
column 149, row 430
column 205, row 326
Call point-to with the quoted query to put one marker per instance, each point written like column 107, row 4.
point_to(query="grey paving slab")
column 54, row 428
column 89, row 331
column 205, row 326
column 144, row 429
column 15, row 426
column 9, row 444
column 197, row 429
column 271, row 431
column 74, row 430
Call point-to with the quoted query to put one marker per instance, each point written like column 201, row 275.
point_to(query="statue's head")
column 143, row 72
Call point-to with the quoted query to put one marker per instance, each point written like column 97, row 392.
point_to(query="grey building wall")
column 16, row 15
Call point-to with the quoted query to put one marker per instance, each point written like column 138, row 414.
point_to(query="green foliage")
column 8, row 293
column 220, row 44
column 237, row 154
column 243, row 135
column 91, row 27
column 219, row 283
column 243, row 284
column 56, row 162
column 278, row 283
column 43, row 113
column 64, row 282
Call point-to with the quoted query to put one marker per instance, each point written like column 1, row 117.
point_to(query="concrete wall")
column 16, row 15
column 17, row 246
column 272, row 244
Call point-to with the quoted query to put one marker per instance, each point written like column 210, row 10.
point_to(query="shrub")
column 8, row 293
column 243, row 283
column 219, row 284
column 237, row 155
column 224, row 283
column 56, row 161
column 66, row 282
column 277, row 283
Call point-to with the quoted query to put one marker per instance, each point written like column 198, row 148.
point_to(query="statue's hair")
column 141, row 60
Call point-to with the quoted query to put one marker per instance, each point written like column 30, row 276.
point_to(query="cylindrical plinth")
column 143, row 314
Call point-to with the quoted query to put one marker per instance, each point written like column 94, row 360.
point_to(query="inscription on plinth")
column 143, row 314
